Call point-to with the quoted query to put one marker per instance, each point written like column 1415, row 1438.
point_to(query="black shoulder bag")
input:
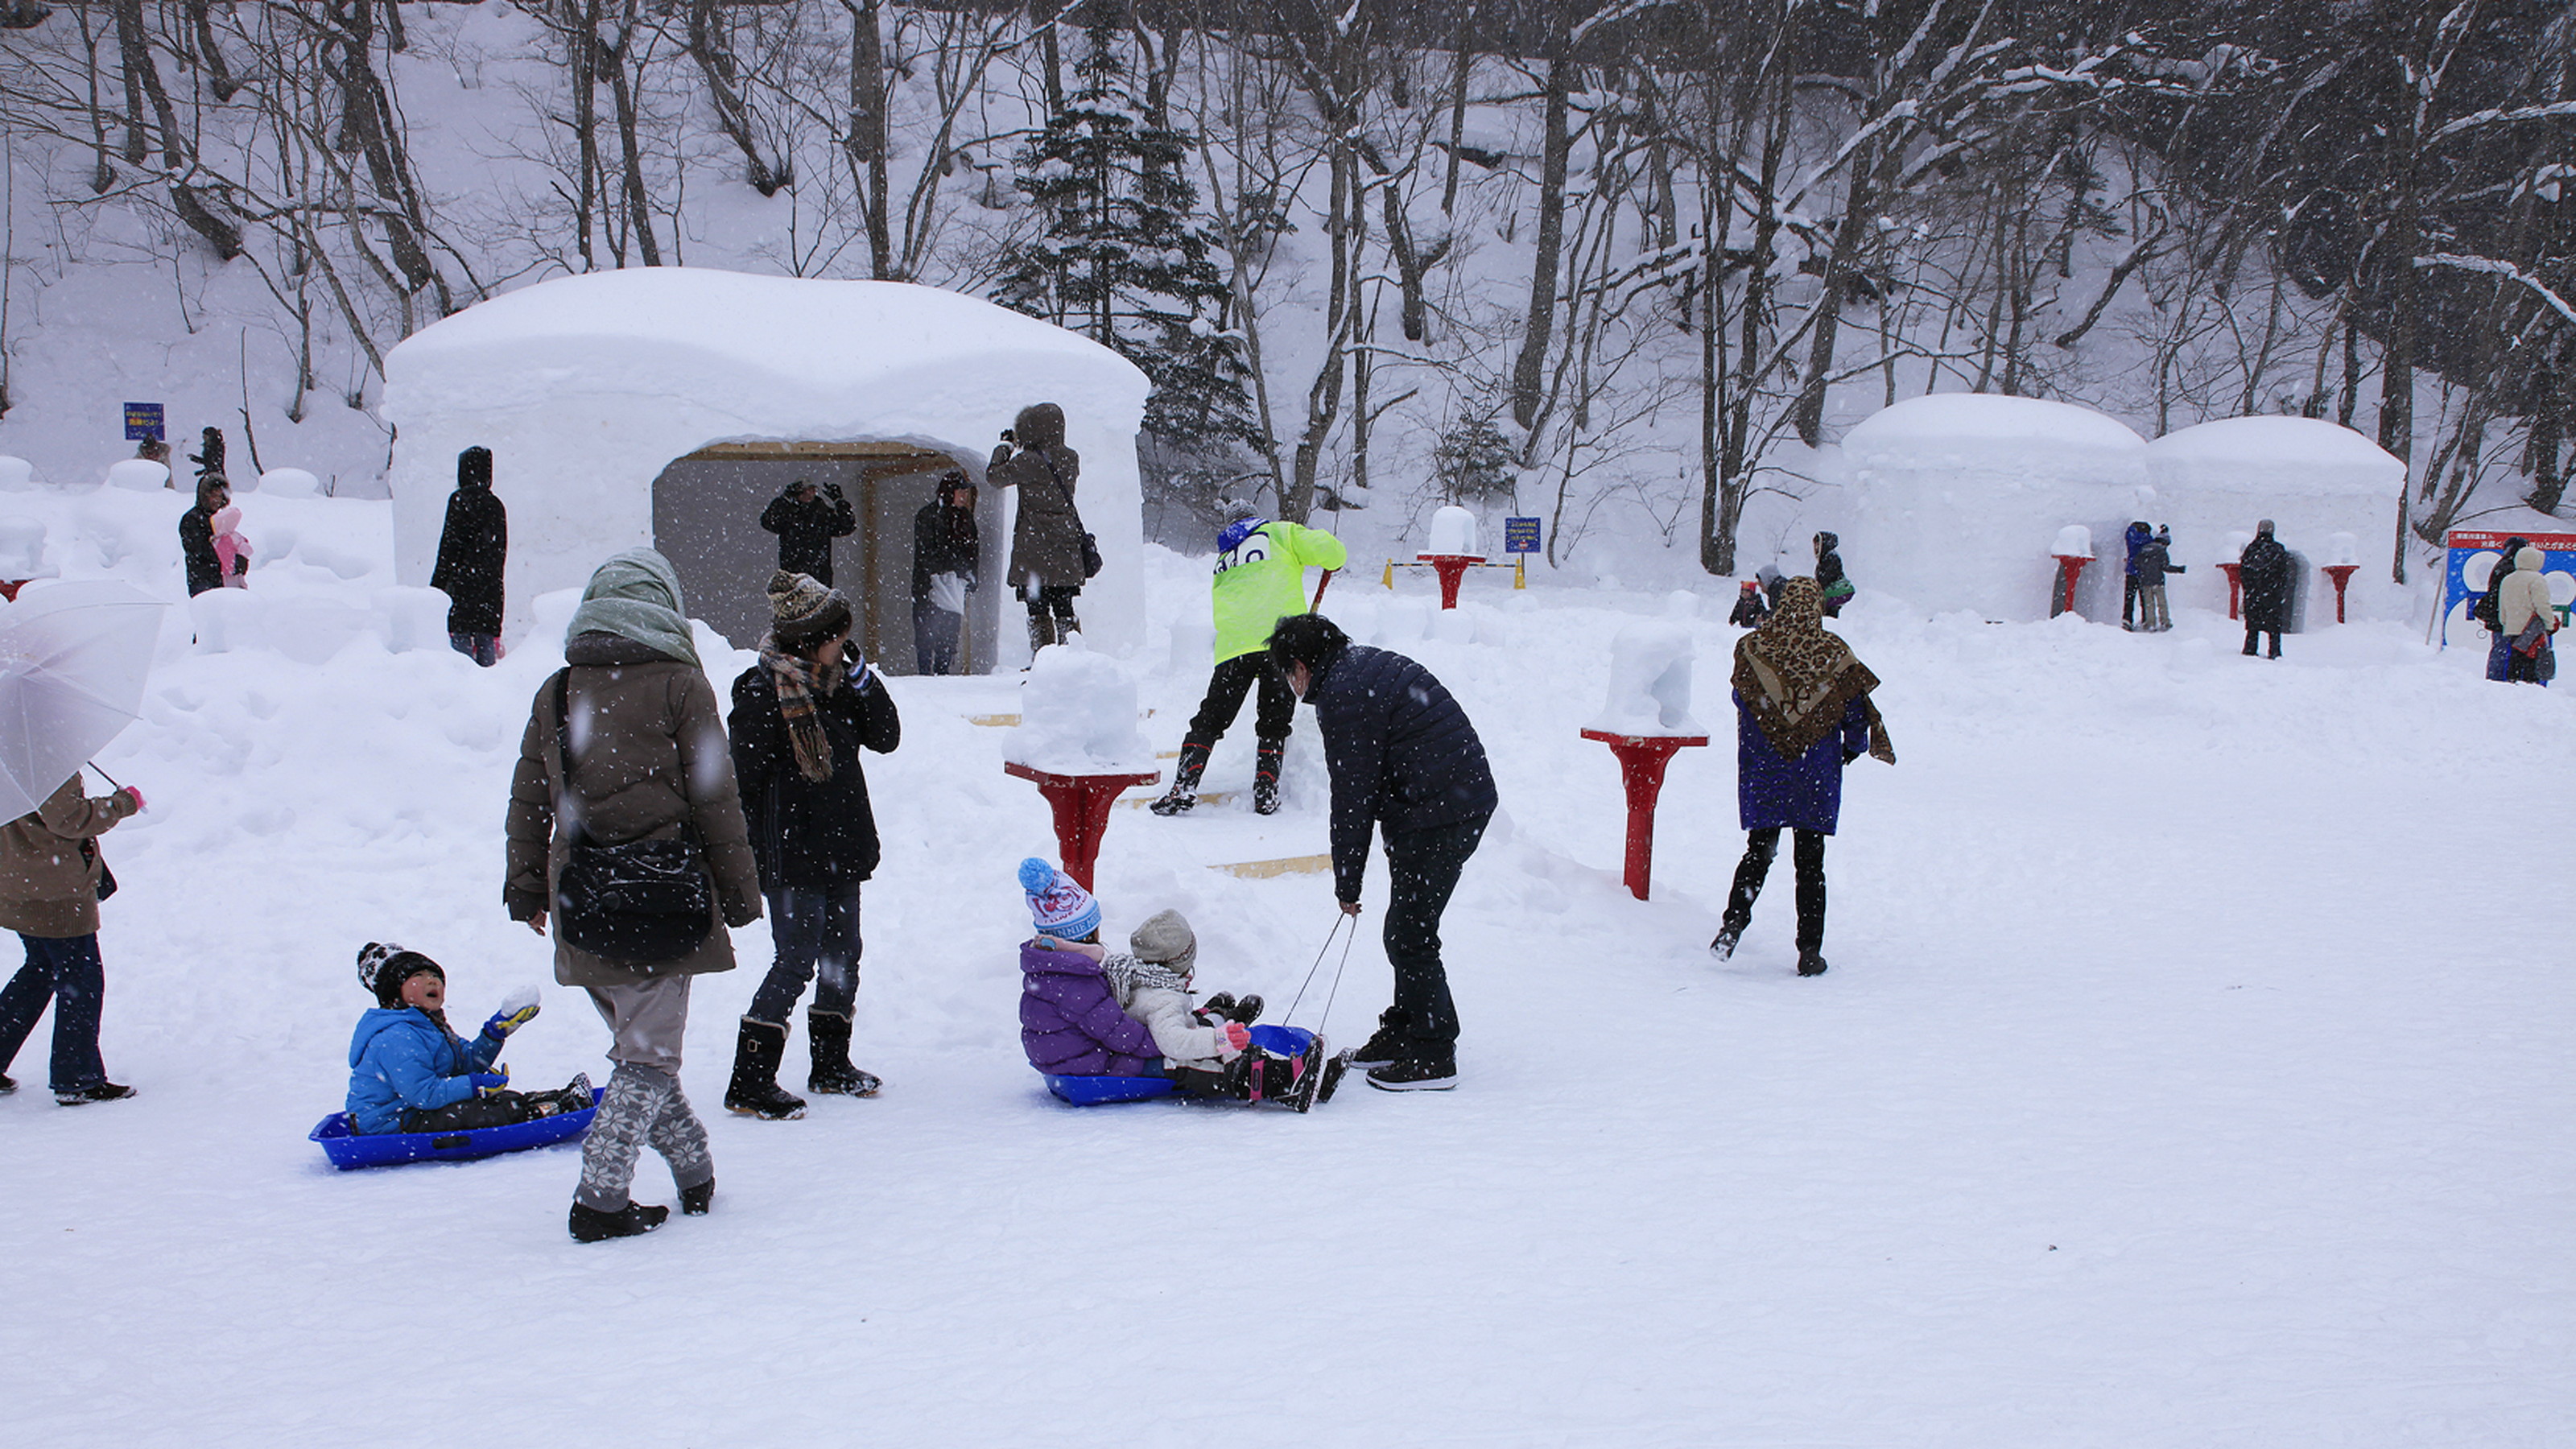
column 1090, row 544
column 641, row 903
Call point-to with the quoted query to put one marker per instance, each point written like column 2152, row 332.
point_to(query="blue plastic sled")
column 1094, row 1091
column 350, row 1149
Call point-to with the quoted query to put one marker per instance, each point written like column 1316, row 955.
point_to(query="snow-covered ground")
column 2192, row 1072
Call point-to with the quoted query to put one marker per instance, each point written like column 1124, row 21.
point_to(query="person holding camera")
column 806, row 523
column 800, row 717
column 1051, row 556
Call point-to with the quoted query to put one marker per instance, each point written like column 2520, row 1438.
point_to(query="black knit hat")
column 383, row 967
column 803, row 609
column 474, row 468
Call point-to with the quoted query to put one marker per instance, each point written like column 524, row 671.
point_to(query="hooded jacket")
column 1071, row 1024
column 1261, row 579
column 401, row 1060
column 806, row 529
column 1046, row 532
column 2524, row 595
column 472, row 548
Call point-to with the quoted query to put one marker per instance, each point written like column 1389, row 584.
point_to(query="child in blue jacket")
column 409, row 1073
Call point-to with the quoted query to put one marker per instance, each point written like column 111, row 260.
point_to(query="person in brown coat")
column 1046, row 534
column 649, row 762
column 51, row 880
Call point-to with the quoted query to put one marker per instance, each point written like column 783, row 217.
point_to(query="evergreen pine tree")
column 1124, row 259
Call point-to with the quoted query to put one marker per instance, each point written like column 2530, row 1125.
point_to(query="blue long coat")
column 1805, row 793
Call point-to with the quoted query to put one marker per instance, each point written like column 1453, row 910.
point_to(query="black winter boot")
column 6, row 1086
column 1185, row 779
column 697, row 1201
column 590, row 1225
column 1390, row 1042
column 754, row 1091
column 1265, row 776
column 827, row 1035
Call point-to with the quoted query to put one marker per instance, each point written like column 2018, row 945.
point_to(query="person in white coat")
column 2521, row 598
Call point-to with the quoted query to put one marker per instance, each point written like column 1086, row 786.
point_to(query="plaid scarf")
column 1797, row 679
column 801, row 682
column 1127, row 976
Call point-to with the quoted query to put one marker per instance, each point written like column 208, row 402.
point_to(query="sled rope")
column 1336, row 988
column 1318, row 965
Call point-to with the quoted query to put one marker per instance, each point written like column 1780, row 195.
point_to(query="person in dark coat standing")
column 944, row 563
column 1751, row 607
column 2264, row 573
column 51, row 880
column 2154, row 560
column 471, row 551
column 2131, row 580
column 800, row 717
column 1047, row 566
column 806, row 523
column 1403, row 757
column 1829, row 574
column 1802, row 712
column 197, row 537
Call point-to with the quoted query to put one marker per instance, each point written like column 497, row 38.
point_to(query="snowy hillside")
column 2191, row 1071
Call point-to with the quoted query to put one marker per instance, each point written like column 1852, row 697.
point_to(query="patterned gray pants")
column 643, row 1104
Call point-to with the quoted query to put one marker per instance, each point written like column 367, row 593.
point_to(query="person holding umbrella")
column 51, row 881
column 77, row 655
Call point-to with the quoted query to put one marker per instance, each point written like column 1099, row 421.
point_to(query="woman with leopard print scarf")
column 1803, row 712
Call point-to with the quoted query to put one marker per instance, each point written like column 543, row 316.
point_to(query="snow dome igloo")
column 2312, row 478
column 1957, row 497
column 667, row 405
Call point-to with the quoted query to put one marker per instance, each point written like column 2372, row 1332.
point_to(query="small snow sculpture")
column 2343, row 548
column 140, row 474
column 2073, row 541
column 17, row 475
column 1453, row 532
column 1078, row 716
column 22, row 550
column 1650, row 682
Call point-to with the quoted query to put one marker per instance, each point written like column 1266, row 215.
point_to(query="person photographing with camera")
column 1052, row 556
column 806, row 522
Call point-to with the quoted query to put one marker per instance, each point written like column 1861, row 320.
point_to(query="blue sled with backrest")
column 350, row 1148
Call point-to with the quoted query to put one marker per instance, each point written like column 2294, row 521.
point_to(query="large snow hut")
column 667, row 405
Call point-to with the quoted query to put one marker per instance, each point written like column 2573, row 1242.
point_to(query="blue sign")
column 143, row 420
column 1520, row 535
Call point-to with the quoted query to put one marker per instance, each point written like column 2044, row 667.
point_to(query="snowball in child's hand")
column 523, row 999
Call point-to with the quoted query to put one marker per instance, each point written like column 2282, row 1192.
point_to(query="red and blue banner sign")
column 2475, row 553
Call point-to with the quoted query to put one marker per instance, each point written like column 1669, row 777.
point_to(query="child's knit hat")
column 1166, row 940
column 383, row 967
column 1058, row 907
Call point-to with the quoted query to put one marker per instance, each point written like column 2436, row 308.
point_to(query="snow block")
column 349, row 1149
column 1650, row 682
column 2073, row 541
column 1453, row 531
column 22, row 548
column 412, row 619
column 1078, row 716
column 17, row 475
column 140, row 474
column 289, row 483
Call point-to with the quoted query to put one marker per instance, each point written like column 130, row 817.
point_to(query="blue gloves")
column 490, row 1084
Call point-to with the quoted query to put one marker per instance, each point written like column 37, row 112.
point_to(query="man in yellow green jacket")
column 1260, row 579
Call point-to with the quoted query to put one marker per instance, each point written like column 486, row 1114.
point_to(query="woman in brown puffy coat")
column 1046, row 533
column 649, row 761
column 50, row 877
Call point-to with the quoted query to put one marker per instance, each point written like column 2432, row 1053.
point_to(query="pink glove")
column 137, row 795
column 1236, row 1036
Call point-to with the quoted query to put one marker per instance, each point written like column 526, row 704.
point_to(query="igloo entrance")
column 706, row 520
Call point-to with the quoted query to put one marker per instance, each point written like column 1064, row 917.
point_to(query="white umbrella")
column 73, row 659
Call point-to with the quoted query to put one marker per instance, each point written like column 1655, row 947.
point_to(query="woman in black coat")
column 197, row 536
column 944, row 552
column 471, row 551
column 800, row 717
